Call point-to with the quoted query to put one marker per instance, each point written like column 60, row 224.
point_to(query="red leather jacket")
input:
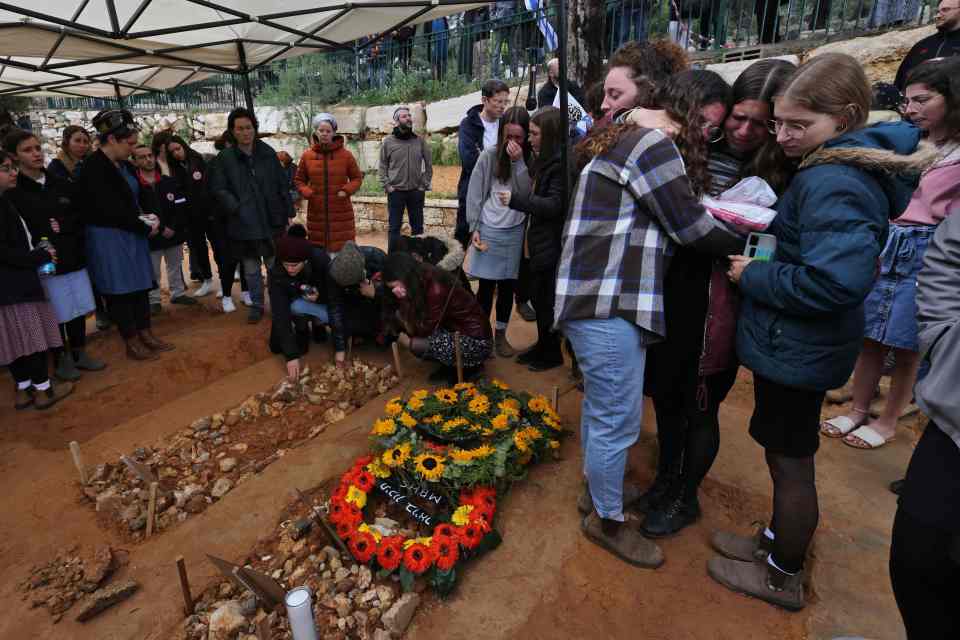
column 452, row 309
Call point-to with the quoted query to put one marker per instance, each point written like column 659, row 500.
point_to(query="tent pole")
column 245, row 74
column 564, row 103
column 116, row 92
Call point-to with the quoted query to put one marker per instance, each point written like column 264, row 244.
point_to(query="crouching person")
column 298, row 296
column 354, row 296
column 430, row 307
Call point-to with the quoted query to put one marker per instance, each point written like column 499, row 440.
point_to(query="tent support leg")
column 564, row 103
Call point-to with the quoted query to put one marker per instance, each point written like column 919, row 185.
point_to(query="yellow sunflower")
column 450, row 425
column 480, row 404
column 384, row 427
column 396, row 456
column 510, row 407
column 434, row 419
column 500, row 384
column 378, row 469
column 415, row 404
column 501, row 422
column 356, row 497
column 551, row 422
column 367, row 529
column 524, row 437
column 447, row 396
column 538, row 404
column 409, row 542
column 393, row 409
column 463, row 386
column 420, row 394
column 469, row 455
column 429, row 466
column 554, row 444
column 407, row 420
column 462, row 515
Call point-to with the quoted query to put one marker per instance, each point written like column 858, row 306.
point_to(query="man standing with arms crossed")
column 406, row 170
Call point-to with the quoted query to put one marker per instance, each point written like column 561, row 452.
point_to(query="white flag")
column 549, row 35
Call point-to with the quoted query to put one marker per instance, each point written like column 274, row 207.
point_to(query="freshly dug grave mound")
column 198, row 465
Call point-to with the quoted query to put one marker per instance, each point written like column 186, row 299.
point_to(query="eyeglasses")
column 943, row 9
column 9, row 168
column 793, row 129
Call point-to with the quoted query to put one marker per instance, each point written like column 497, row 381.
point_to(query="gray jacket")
column 938, row 314
column 405, row 164
column 481, row 182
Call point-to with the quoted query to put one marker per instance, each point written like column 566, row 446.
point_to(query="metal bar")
column 220, row 7
column 302, row 12
column 247, row 91
column 183, row 29
column 76, row 14
column 384, row 33
column 53, row 49
column 29, row 13
column 114, row 21
column 136, row 16
column 326, row 23
column 267, row 61
column 116, row 92
column 564, row 104
column 298, row 32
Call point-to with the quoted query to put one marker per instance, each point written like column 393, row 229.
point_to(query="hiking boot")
column 763, row 581
column 49, row 397
column 664, row 521
column 659, row 491
column 103, row 321
column 526, row 312
column 136, row 350
column 66, row 368
column 502, row 347
column 86, row 363
column 753, row 548
column 23, row 399
column 254, row 315
column 624, row 542
column 631, row 493
column 154, row 343
column 529, row 355
column 546, row 363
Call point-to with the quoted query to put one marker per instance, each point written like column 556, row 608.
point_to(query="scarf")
column 403, row 134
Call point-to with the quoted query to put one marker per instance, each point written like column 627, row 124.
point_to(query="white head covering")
column 324, row 117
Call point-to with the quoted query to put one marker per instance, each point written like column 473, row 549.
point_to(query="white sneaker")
column 205, row 289
column 228, row 306
column 247, row 300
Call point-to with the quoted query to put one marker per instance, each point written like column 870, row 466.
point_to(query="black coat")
column 548, row 212
column 38, row 203
column 284, row 290
column 942, row 44
column 350, row 312
column 254, row 192
column 19, row 280
column 548, row 93
column 193, row 179
column 104, row 199
column 165, row 198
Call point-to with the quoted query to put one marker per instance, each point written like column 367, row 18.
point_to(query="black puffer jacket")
column 253, row 191
column 103, row 197
column 548, row 212
column 38, row 203
column 194, row 182
column 284, row 290
column 19, row 281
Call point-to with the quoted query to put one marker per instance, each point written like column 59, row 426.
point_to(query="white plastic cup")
column 299, row 603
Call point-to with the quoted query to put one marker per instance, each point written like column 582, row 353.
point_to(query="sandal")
column 840, row 426
column 865, row 437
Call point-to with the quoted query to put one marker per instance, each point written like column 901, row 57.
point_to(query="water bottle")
column 49, row 268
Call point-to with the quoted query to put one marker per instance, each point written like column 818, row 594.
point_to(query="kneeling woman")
column 431, row 307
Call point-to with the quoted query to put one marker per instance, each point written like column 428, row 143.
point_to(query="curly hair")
column 651, row 64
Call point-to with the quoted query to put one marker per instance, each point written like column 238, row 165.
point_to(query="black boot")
column 660, row 490
column 672, row 516
column 319, row 332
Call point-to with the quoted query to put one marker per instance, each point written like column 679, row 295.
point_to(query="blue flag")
column 545, row 27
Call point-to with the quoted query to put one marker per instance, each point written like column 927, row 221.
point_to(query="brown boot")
column 760, row 580
column 753, row 548
column 136, row 350
column 53, row 395
column 23, row 399
column 154, row 343
column 623, row 541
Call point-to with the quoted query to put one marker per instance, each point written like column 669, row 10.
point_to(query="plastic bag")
column 746, row 205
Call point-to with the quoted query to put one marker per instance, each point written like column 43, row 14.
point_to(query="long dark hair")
column 682, row 97
column 518, row 116
column 68, row 134
column 943, row 76
column 550, row 123
column 13, row 139
column 405, row 268
column 194, row 160
column 762, row 81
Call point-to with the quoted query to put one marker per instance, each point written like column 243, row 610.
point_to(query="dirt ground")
column 545, row 581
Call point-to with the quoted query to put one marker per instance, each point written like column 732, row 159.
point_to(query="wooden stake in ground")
column 185, row 586
column 459, row 356
column 78, row 461
column 152, row 508
column 349, row 349
column 396, row 359
column 556, row 398
column 319, row 519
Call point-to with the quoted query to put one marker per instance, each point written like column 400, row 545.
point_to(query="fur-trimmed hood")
column 453, row 259
column 891, row 152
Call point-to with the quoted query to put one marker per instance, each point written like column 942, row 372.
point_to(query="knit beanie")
column 348, row 266
column 293, row 249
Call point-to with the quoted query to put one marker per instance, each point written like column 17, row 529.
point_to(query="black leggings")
column 130, row 311
column 73, row 334
column 924, row 578
column 504, row 291
column 543, row 294
column 227, row 262
column 796, row 510
column 31, row 368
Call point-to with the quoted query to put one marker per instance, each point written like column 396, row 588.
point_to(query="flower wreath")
column 467, row 443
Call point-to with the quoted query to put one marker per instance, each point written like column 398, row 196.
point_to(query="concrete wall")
column 439, row 216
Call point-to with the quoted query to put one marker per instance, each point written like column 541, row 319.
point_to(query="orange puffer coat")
column 324, row 171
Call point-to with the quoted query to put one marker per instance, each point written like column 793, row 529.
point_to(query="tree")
column 585, row 40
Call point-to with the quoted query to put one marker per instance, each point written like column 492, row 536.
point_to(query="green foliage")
column 413, row 86
column 406, row 580
column 14, row 104
column 303, row 86
column 443, row 582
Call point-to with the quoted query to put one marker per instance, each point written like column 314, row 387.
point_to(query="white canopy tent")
column 114, row 48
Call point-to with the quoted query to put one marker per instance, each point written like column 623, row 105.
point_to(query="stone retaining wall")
column 370, row 212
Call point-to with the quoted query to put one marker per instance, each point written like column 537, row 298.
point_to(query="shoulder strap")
column 446, row 305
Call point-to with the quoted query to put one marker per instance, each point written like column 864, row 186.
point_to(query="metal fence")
column 501, row 40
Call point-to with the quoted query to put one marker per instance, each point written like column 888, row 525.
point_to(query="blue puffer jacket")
column 801, row 322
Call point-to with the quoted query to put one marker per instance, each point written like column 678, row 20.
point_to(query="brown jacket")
column 324, row 171
column 452, row 309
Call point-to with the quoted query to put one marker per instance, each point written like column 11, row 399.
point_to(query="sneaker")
column 246, row 299
column 205, row 289
column 66, row 368
column 219, row 294
column 86, row 363
column 155, row 308
column 627, row 543
column 631, row 493
column 184, row 300
column 526, row 312
column 254, row 315
column 228, row 306
column 49, row 397
column 671, row 519
column 763, row 581
column 753, row 548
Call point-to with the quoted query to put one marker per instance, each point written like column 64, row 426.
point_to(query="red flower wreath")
column 390, row 552
column 470, row 535
column 445, row 552
column 417, row 558
column 364, row 481
column 363, row 546
column 444, row 530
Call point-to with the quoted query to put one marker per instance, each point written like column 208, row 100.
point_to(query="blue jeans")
column 301, row 307
column 612, row 358
column 412, row 201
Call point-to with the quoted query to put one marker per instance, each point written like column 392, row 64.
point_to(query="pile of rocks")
column 77, row 577
column 349, row 601
column 198, row 465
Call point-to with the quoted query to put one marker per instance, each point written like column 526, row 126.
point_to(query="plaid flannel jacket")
column 631, row 204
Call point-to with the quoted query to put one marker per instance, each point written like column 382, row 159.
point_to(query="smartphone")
column 760, row 246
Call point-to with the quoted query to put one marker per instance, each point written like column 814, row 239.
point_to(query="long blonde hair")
column 832, row 84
